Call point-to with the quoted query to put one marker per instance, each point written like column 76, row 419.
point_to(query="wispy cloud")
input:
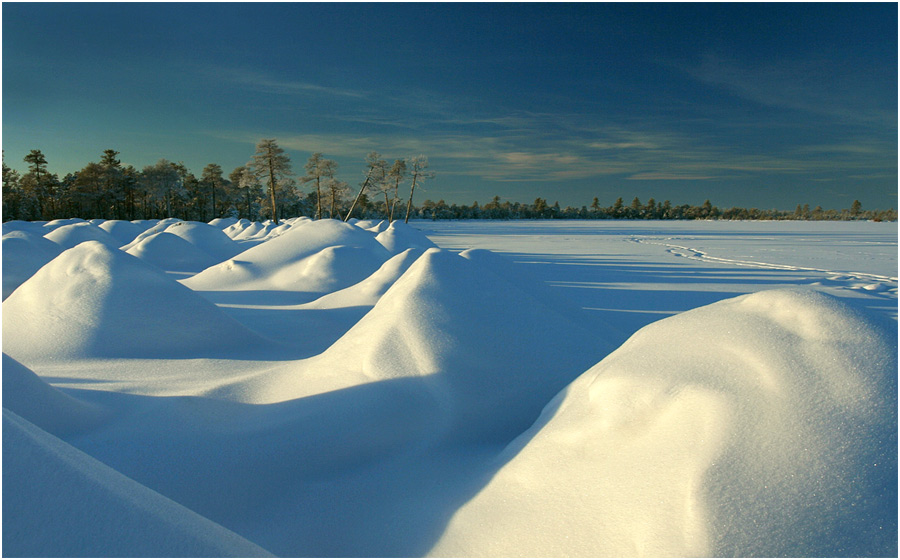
column 259, row 82
column 811, row 86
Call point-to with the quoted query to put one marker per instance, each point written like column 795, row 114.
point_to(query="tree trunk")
column 272, row 189
column 359, row 194
column 318, row 200
column 411, row 191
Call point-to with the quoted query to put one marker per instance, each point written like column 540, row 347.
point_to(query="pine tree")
column 212, row 180
column 319, row 169
column 271, row 162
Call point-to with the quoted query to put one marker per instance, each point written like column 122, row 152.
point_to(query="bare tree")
column 271, row 162
column 395, row 176
column 376, row 170
column 419, row 172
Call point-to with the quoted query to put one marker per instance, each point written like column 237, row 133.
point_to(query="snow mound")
column 21, row 225
column 315, row 256
column 375, row 226
column 447, row 323
column 60, row 502
column 152, row 228
column 122, row 230
column 764, row 425
column 68, row 236
column 223, row 223
column 171, row 252
column 92, row 301
column 24, row 253
column 50, row 409
column 369, row 291
column 207, row 238
column 58, row 223
column 398, row 237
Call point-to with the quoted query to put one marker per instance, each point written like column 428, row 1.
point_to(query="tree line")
column 264, row 189
column 637, row 210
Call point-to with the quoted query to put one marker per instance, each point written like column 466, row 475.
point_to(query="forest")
column 266, row 188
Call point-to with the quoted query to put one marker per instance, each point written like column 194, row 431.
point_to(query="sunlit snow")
column 487, row 389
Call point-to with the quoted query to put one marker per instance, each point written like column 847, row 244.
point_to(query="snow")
column 68, row 236
column 321, row 388
column 93, row 301
column 742, row 428
column 24, row 253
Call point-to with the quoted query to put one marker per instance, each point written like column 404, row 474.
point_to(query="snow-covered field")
column 327, row 389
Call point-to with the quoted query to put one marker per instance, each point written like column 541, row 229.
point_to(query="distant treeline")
column 637, row 210
column 265, row 189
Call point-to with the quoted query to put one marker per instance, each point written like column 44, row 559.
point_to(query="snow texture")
column 330, row 389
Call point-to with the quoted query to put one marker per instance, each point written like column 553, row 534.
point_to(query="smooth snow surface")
column 331, row 389
column 70, row 235
column 24, row 253
column 97, row 302
column 756, row 426
column 59, row 502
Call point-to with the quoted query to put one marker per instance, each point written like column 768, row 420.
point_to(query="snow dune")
column 97, row 302
column 762, row 425
column 310, row 258
column 356, row 391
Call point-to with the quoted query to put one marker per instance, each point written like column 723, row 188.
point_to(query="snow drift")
column 93, row 301
column 172, row 253
column 70, row 235
column 312, row 257
column 60, row 502
column 24, row 253
column 763, row 425
column 449, row 323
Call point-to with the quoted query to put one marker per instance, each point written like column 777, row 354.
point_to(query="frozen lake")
column 631, row 273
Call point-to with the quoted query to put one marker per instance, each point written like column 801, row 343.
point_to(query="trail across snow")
column 365, row 389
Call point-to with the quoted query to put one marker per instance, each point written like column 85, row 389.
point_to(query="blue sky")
column 755, row 105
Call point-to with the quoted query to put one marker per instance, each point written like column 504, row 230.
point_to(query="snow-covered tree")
column 396, row 175
column 318, row 170
column 418, row 171
column 376, row 172
column 270, row 162
column 162, row 183
column 212, row 180
column 335, row 191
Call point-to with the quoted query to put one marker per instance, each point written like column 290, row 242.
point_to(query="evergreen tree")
column 34, row 184
column 213, row 182
column 618, row 208
column 12, row 196
column 319, row 169
column 271, row 162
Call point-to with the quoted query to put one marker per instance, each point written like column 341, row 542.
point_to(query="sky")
column 753, row 105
